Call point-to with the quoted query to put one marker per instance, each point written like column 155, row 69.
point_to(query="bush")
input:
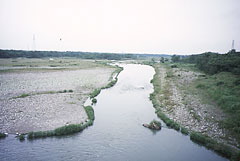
column 30, row 135
column 2, row 135
column 21, row 137
column 90, row 112
column 70, row 90
column 184, row 131
column 94, row 100
column 95, row 93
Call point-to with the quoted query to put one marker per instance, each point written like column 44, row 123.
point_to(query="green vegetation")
column 156, row 125
column 223, row 88
column 213, row 63
column 2, row 135
column 90, row 112
column 82, row 55
column 21, row 137
column 169, row 122
column 24, row 95
column 203, row 140
column 219, row 148
column 53, row 54
column 95, row 93
column 184, row 131
column 156, row 103
column 94, row 100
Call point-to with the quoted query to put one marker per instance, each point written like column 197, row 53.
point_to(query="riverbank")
column 36, row 97
column 182, row 110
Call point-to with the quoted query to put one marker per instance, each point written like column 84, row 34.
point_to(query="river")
column 117, row 132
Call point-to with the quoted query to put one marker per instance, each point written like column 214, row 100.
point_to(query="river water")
column 117, row 133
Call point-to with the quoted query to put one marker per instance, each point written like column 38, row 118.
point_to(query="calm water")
column 117, row 133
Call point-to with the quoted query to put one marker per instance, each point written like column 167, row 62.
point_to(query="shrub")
column 70, row 90
column 94, row 100
column 21, row 137
column 2, row 135
column 90, row 112
column 30, row 135
column 95, row 93
column 184, row 131
column 198, row 138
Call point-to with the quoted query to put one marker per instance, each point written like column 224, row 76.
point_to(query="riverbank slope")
column 178, row 100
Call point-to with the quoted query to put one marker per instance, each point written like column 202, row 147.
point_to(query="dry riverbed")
column 38, row 96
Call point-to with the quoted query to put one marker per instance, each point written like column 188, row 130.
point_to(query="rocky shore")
column 188, row 109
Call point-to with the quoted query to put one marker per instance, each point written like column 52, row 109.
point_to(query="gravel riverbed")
column 47, row 111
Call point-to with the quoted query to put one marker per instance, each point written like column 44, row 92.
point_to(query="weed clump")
column 94, row 100
column 184, row 131
column 209, row 143
column 21, row 137
column 23, row 95
column 95, row 93
column 2, row 135
column 90, row 112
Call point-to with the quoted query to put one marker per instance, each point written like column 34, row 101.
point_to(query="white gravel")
column 47, row 111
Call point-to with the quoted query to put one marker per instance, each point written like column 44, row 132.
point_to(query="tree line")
column 83, row 55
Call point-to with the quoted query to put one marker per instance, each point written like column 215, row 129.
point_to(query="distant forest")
column 83, row 55
column 212, row 63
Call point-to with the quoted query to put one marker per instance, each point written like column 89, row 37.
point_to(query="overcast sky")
column 136, row 26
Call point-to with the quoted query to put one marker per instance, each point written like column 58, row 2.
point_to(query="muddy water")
column 117, row 133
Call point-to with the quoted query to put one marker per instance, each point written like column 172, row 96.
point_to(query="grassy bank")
column 224, row 90
column 221, row 149
column 160, row 98
column 156, row 101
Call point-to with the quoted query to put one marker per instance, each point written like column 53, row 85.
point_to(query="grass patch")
column 221, row 149
column 90, row 112
column 95, row 93
column 23, row 95
column 184, row 131
column 2, row 135
column 222, row 90
column 21, row 137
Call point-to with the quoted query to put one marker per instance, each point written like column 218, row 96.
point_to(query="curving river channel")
column 117, row 133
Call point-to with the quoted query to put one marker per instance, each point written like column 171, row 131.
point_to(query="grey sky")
column 137, row 26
